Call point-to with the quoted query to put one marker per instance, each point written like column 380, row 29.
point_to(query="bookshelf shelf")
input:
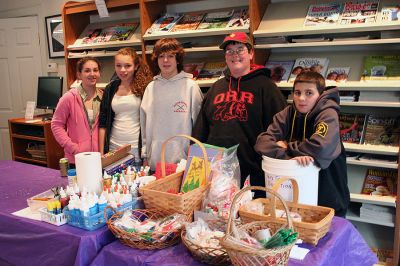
column 372, row 163
column 354, row 217
column 193, row 33
column 374, row 149
column 371, row 44
column 370, row 85
column 380, row 200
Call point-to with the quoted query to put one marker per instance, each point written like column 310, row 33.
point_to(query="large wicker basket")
column 316, row 220
column 37, row 151
column 141, row 240
column 208, row 255
column 156, row 195
column 244, row 254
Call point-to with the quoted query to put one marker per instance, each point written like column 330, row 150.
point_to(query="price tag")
column 30, row 110
column 102, row 8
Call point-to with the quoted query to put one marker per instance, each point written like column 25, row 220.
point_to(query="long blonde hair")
column 142, row 75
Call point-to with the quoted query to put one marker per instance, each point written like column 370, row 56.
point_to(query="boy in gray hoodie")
column 308, row 131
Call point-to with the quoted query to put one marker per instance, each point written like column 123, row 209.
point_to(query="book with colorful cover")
column 194, row 175
column 380, row 182
column 338, row 74
column 89, row 36
column 390, row 13
column 384, row 255
column 240, row 18
column 323, row 14
column 382, row 130
column 216, row 20
column 189, row 21
column 164, row 23
column 212, row 70
column 351, row 127
column 359, row 12
column 280, row 70
column 381, row 67
column 123, row 31
column 193, row 68
column 319, row 65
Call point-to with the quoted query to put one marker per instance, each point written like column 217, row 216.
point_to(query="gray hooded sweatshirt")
column 169, row 107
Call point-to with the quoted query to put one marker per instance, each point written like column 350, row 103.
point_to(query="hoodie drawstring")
column 304, row 128
column 230, row 85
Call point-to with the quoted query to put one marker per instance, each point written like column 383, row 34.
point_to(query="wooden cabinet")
column 33, row 142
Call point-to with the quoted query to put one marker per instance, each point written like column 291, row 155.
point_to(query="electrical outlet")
column 52, row 67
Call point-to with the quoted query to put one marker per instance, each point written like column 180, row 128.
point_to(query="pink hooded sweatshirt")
column 71, row 128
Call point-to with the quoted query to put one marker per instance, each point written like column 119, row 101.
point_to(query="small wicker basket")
column 141, row 240
column 242, row 253
column 156, row 196
column 208, row 255
column 316, row 220
column 37, row 151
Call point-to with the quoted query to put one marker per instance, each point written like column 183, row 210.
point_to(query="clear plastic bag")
column 224, row 183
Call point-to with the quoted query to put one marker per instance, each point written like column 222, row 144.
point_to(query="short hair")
column 249, row 46
column 311, row 77
column 82, row 61
column 168, row 45
column 142, row 75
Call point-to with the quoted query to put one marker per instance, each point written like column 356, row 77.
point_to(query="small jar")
column 71, row 177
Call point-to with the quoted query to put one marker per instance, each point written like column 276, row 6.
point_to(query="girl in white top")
column 170, row 105
column 119, row 112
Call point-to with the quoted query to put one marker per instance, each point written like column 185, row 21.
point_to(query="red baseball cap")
column 236, row 37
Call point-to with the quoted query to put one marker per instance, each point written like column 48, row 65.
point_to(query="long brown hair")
column 142, row 75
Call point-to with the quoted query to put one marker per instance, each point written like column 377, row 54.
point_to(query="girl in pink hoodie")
column 75, row 121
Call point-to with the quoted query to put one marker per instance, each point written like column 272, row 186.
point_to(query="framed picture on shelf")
column 55, row 36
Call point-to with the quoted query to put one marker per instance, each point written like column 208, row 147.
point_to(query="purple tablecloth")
column 343, row 245
column 28, row 242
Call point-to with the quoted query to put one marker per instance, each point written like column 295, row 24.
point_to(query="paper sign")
column 30, row 110
column 102, row 8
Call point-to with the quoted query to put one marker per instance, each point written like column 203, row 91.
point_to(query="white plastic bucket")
column 306, row 177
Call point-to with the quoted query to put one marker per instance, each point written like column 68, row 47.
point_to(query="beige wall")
column 42, row 9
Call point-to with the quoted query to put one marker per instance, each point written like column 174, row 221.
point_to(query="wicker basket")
column 208, row 255
column 156, row 196
column 37, row 151
column 316, row 220
column 242, row 253
column 140, row 240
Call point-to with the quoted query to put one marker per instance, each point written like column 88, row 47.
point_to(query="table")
column 342, row 245
column 28, row 242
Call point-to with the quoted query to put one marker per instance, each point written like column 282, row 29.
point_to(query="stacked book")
column 377, row 213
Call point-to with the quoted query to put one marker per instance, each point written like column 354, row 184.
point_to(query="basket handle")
column 105, row 211
column 205, row 156
column 238, row 195
column 276, row 186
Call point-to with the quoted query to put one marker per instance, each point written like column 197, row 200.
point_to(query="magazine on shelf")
column 280, row 70
column 240, row 18
column 216, row 20
column 381, row 67
column 380, row 182
column 212, row 70
column 189, row 21
column 382, row 130
column 193, row 68
column 359, row 12
column 351, row 127
column 319, row 65
column 164, row 23
column 338, row 74
column 323, row 14
column 384, row 255
column 390, row 13
column 106, row 32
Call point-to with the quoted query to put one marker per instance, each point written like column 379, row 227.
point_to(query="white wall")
column 42, row 9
